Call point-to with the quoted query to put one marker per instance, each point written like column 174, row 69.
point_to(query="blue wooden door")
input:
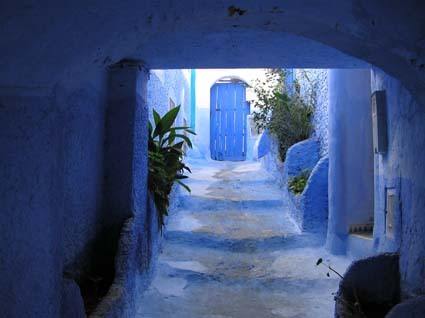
column 228, row 131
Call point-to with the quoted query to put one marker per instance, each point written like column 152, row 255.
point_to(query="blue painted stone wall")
column 263, row 144
column 52, row 176
column 32, row 203
column 403, row 169
column 301, row 156
column 350, row 154
column 314, row 199
column 125, row 145
column 36, row 56
column 52, row 168
column 83, row 110
column 314, row 86
column 166, row 84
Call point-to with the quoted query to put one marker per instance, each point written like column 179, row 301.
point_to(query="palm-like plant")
column 166, row 150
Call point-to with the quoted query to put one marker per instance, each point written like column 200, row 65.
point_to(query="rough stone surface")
column 373, row 280
column 412, row 308
column 134, row 266
column 314, row 82
column 314, row 199
column 232, row 250
column 166, row 85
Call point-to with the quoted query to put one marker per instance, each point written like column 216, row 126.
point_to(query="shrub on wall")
column 297, row 184
column 166, row 151
column 290, row 121
column 287, row 117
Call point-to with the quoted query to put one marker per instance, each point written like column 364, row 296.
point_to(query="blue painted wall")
column 164, row 85
column 302, row 156
column 403, row 169
column 83, row 110
column 350, row 154
column 32, row 202
column 36, row 56
column 193, row 98
column 52, row 176
column 314, row 199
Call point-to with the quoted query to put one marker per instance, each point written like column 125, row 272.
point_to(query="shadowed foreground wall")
column 403, row 169
column 32, row 203
column 350, row 154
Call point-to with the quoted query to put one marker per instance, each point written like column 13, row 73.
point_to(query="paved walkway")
column 232, row 251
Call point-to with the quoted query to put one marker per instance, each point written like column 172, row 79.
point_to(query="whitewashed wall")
column 164, row 85
column 320, row 115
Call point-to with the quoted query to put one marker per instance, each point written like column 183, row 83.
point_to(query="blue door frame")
column 228, row 126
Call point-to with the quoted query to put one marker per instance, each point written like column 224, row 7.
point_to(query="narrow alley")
column 231, row 250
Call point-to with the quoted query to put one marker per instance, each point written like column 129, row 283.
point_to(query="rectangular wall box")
column 391, row 208
column 379, row 122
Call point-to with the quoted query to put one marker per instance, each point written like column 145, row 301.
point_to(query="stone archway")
column 191, row 34
column 53, row 83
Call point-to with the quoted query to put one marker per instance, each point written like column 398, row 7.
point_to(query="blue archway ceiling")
column 41, row 42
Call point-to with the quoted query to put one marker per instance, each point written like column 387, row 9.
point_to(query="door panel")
column 228, row 111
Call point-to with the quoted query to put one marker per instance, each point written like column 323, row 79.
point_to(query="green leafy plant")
column 266, row 91
column 297, row 184
column 290, row 121
column 287, row 117
column 166, row 151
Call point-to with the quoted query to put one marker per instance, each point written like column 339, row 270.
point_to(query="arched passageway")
column 213, row 34
column 53, row 92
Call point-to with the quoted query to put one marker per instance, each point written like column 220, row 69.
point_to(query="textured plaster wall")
column 171, row 35
column 299, row 157
column 164, row 85
column 52, row 175
column 32, row 202
column 308, row 209
column 271, row 160
column 350, row 154
column 316, row 81
column 126, row 145
column 314, row 199
column 403, row 169
column 83, row 138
